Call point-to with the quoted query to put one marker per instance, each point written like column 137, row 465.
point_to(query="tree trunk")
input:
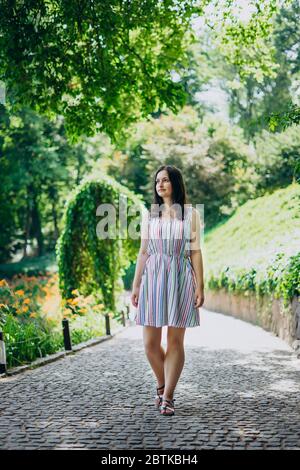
column 37, row 226
column 27, row 225
column 53, row 199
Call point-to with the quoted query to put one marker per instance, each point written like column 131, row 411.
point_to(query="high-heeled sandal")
column 158, row 398
column 167, row 407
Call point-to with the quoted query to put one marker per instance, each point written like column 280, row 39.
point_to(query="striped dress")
column 168, row 282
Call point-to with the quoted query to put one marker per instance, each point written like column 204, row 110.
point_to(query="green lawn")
column 256, row 232
column 30, row 266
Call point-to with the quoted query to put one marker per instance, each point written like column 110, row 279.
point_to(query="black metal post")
column 67, row 337
column 2, row 355
column 107, row 324
column 123, row 318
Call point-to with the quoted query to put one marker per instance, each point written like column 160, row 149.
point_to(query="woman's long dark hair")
column 178, row 189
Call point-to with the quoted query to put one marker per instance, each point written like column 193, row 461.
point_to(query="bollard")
column 2, row 355
column 123, row 318
column 127, row 311
column 67, row 337
column 107, row 324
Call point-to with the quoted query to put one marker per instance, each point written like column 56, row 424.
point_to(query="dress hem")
column 167, row 324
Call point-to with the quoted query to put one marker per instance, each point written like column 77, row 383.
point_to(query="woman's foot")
column 167, row 407
column 159, row 396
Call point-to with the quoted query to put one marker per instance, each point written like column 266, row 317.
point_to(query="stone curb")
column 60, row 355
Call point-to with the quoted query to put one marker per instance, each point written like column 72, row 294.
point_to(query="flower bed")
column 30, row 333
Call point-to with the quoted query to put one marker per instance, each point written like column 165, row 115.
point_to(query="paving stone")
column 103, row 398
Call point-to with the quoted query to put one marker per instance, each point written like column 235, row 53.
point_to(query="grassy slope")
column 257, row 231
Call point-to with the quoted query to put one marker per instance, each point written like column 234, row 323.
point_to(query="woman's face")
column 163, row 184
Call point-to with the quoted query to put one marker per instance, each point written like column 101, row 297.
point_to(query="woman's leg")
column 154, row 351
column 174, row 359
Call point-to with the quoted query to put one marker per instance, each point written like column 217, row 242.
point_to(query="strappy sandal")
column 167, row 407
column 158, row 398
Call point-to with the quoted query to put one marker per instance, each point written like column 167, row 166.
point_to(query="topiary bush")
column 86, row 262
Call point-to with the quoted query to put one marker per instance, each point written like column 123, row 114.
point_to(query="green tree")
column 8, row 204
column 216, row 162
column 105, row 64
column 34, row 165
column 278, row 158
column 268, row 102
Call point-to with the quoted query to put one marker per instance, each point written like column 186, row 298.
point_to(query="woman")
column 168, row 286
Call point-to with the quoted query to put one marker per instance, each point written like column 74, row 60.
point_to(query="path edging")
column 60, row 355
column 264, row 310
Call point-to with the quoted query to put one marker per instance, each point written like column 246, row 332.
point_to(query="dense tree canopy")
column 212, row 155
column 46, row 62
column 38, row 168
column 104, row 64
column 271, row 101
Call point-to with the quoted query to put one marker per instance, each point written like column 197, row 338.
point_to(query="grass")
column 257, row 231
column 31, row 318
column 30, row 266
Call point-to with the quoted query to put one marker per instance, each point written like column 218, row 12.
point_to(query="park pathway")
column 239, row 389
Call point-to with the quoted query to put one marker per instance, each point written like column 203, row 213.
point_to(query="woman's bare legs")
column 174, row 360
column 154, row 351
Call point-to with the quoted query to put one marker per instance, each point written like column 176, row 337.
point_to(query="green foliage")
column 30, row 266
column 129, row 276
column 21, row 297
column 215, row 160
column 264, row 96
column 38, row 166
column 257, row 249
column 33, row 164
column 87, row 262
column 104, row 65
column 26, row 341
column 247, row 43
column 29, row 334
column 277, row 159
column 83, row 328
column 282, row 282
column 285, row 119
column 100, row 64
column 289, row 284
column 286, row 38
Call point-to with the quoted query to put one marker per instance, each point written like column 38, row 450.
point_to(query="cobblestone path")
column 239, row 389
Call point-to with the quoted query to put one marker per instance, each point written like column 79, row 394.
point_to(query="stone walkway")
column 239, row 389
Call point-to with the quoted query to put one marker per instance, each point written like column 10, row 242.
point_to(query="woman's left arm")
column 196, row 257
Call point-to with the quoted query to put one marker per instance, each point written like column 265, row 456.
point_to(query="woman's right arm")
column 141, row 259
